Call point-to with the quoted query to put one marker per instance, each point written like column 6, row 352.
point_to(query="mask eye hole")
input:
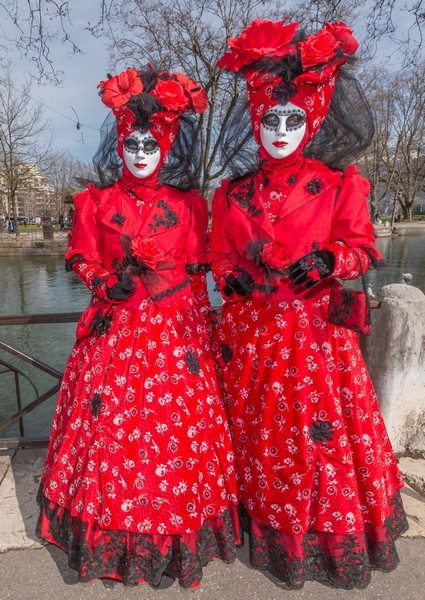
column 271, row 121
column 131, row 145
column 295, row 121
column 150, row 145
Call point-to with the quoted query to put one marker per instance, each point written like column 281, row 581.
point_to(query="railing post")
column 22, row 441
column 19, row 403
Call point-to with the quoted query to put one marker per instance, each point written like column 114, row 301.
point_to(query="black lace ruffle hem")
column 133, row 558
column 341, row 561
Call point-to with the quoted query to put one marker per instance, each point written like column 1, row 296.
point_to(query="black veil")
column 345, row 134
column 181, row 168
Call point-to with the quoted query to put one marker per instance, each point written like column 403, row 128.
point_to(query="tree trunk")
column 373, row 202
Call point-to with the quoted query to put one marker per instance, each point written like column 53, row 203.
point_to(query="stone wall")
column 28, row 247
column 395, row 356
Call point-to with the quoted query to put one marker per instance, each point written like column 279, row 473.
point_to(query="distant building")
column 35, row 195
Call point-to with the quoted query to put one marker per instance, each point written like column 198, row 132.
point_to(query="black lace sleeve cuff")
column 71, row 261
column 377, row 263
column 195, row 268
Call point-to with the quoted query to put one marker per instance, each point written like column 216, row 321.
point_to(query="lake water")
column 41, row 285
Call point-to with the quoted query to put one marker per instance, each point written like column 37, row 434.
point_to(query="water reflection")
column 36, row 285
column 404, row 254
column 41, row 285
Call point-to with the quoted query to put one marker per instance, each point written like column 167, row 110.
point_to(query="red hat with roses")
column 151, row 100
column 281, row 64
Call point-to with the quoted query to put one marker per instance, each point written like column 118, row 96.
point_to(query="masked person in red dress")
column 139, row 480
column 318, row 478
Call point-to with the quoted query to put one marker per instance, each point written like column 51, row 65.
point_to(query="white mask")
column 141, row 153
column 282, row 129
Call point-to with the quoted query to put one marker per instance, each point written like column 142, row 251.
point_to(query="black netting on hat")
column 238, row 151
column 182, row 166
column 348, row 128
column 345, row 134
column 106, row 161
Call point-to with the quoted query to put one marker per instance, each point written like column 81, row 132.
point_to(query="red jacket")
column 316, row 209
column 169, row 227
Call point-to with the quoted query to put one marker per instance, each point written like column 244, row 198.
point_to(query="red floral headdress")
column 151, row 100
column 279, row 67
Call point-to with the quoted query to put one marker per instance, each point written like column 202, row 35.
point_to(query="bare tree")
column 33, row 26
column 313, row 13
column 187, row 35
column 382, row 22
column 375, row 161
column 408, row 165
column 25, row 140
column 395, row 163
column 64, row 176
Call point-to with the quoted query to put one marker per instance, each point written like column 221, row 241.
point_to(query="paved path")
column 32, row 571
column 44, row 575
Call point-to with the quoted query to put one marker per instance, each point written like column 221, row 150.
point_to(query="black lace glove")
column 309, row 270
column 242, row 283
column 122, row 289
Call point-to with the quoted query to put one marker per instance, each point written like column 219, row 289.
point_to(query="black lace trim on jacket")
column 195, row 268
column 132, row 557
column 243, row 194
column 170, row 291
column 71, row 261
column 349, row 566
column 168, row 219
column 119, row 219
column 376, row 264
column 314, row 185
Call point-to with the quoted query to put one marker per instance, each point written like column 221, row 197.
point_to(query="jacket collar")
column 121, row 213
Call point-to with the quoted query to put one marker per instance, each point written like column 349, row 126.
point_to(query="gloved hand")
column 122, row 289
column 311, row 269
column 240, row 282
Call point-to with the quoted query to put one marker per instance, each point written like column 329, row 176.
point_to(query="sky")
column 81, row 74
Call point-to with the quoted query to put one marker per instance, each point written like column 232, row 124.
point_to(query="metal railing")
column 6, row 367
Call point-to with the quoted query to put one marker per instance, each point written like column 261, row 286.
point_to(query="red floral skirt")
column 318, row 477
column 140, row 477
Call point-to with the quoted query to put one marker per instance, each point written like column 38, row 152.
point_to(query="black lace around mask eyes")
column 148, row 146
column 295, row 119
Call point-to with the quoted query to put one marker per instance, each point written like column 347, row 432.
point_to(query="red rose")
column 276, row 255
column 196, row 92
column 343, row 34
column 171, row 94
column 314, row 275
column 318, row 49
column 117, row 90
column 147, row 251
column 261, row 38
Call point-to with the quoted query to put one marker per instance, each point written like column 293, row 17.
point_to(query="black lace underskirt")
column 133, row 557
column 341, row 561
